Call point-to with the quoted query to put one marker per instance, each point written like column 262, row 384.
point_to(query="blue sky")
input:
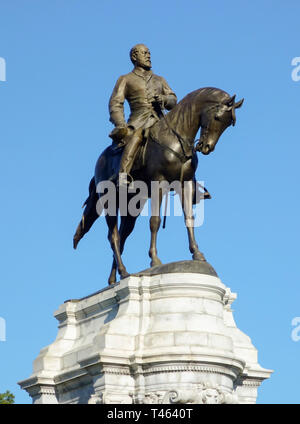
column 63, row 58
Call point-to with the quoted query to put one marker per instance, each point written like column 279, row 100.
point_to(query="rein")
column 183, row 157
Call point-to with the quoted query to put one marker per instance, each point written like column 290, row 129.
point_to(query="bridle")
column 184, row 157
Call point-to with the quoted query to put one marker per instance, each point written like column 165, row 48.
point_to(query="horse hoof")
column 155, row 262
column 124, row 275
column 111, row 282
column 198, row 256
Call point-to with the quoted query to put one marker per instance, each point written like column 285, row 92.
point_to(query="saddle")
column 118, row 145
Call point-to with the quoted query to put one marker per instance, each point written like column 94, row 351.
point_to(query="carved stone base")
column 162, row 338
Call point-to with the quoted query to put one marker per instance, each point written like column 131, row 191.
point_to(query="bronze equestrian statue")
column 167, row 154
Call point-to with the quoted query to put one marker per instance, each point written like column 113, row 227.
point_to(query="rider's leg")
column 132, row 143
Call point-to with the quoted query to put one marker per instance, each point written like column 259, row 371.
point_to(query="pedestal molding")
column 169, row 337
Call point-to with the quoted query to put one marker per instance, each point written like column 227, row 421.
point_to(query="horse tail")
column 89, row 216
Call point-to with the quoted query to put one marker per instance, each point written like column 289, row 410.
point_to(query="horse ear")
column 231, row 101
column 238, row 104
column 235, row 106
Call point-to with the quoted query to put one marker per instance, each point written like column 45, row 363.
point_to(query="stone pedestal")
column 152, row 338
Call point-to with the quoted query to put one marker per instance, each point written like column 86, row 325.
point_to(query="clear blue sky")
column 63, row 58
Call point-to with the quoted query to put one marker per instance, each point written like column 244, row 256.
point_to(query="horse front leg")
column 187, row 207
column 155, row 222
column 114, row 239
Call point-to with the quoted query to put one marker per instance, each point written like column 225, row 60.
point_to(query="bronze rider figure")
column 148, row 95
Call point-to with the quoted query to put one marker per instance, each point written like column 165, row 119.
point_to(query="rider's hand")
column 119, row 132
column 159, row 99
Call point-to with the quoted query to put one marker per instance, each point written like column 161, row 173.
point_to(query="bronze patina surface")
column 148, row 96
column 193, row 267
column 168, row 152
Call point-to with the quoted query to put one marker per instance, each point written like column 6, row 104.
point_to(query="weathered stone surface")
column 161, row 338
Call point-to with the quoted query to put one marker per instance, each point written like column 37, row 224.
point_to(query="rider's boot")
column 132, row 143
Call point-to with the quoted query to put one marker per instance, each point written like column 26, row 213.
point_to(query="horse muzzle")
column 206, row 148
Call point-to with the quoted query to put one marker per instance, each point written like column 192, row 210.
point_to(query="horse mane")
column 183, row 114
column 206, row 94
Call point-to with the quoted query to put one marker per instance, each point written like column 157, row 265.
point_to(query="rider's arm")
column 116, row 103
column 169, row 97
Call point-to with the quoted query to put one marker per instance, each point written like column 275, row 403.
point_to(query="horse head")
column 214, row 120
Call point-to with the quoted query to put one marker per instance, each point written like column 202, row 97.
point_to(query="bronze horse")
column 168, row 155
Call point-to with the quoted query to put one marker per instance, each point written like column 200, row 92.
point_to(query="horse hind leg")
column 126, row 228
column 114, row 239
column 113, row 273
